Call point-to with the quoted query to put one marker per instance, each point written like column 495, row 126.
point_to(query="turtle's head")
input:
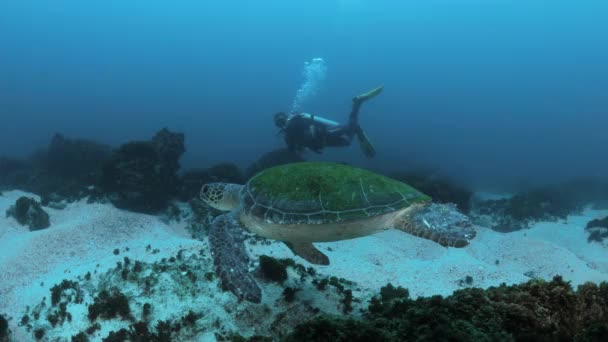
column 222, row 196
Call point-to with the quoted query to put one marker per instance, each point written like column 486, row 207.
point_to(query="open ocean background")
column 493, row 93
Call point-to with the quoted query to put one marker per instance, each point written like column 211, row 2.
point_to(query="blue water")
column 492, row 92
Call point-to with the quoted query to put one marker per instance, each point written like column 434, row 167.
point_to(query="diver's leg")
column 353, row 119
column 337, row 139
column 366, row 146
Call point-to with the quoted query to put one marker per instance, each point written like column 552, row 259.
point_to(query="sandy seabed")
column 83, row 237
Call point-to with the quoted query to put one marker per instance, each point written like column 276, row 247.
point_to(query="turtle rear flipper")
column 441, row 223
column 230, row 258
column 308, row 252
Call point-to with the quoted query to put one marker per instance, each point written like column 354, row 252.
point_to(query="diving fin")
column 370, row 94
column 365, row 144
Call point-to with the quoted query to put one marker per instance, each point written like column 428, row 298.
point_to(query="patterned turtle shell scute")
column 320, row 192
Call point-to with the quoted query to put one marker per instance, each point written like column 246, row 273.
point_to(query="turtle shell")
column 321, row 192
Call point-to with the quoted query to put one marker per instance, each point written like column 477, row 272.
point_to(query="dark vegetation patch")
column 273, row 269
column 110, row 304
column 4, row 332
column 164, row 331
column 534, row 311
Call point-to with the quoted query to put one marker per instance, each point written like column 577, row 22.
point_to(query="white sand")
column 81, row 237
column 84, row 235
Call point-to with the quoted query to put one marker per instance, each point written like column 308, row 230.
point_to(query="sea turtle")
column 308, row 202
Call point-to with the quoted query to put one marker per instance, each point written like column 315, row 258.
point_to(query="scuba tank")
column 319, row 119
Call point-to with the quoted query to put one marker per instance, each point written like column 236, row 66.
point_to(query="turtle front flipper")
column 442, row 223
column 308, row 252
column 230, row 258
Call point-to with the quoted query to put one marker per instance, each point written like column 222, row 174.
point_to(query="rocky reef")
column 141, row 176
column 64, row 171
column 546, row 203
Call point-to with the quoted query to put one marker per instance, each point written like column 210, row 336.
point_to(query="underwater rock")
column 441, row 189
column 597, row 229
column 273, row 158
column 192, row 181
column 29, row 212
column 141, row 176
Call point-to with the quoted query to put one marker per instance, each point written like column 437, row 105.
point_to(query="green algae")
column 322, row 186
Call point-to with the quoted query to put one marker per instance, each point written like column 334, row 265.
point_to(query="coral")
column 141, row 176
column 29, row 212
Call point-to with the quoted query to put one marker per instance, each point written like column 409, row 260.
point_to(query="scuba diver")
column 304, row 130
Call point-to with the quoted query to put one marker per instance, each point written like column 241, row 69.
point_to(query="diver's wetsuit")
column 307, row 131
